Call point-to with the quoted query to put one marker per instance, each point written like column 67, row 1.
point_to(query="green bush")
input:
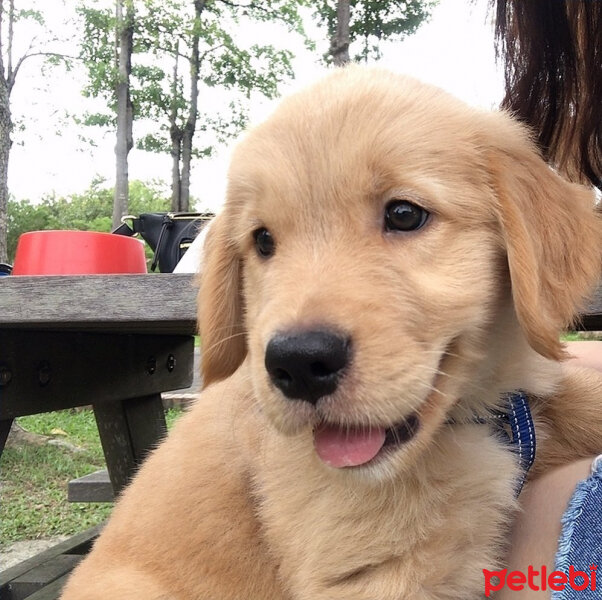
column 90, row 211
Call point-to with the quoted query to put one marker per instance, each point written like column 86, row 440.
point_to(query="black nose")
column 307, row 365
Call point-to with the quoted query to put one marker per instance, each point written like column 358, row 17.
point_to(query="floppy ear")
column 220, row 311
column 553, row 240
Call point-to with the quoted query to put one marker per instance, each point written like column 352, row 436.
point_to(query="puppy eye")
column 402, row 215
column 264, row 242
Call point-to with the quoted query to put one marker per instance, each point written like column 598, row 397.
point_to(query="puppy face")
column 374, row 229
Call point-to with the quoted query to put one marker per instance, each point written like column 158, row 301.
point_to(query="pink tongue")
column 341, row 447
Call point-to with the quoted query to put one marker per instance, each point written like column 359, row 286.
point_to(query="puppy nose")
column 307, row 365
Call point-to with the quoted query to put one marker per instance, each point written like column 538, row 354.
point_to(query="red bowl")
column 78, row 253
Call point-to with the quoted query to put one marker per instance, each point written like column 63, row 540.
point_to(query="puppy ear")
column 220, row 312
column 553, row 239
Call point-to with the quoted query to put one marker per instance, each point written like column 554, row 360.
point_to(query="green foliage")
column 98, row 51
column 29, row 15
column 154, row 143
column 160, row 78
column 225, row 127
column 372, row 22
column 89, row 211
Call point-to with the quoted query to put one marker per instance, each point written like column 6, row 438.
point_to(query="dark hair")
column 552, row 56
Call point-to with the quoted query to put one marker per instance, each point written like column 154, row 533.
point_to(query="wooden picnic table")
column 111, row 341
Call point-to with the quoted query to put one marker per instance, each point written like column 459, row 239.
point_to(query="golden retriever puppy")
column 388, row 265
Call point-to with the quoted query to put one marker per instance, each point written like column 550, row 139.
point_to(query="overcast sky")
column 454, row 50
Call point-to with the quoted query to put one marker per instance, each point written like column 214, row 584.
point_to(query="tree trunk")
column 176, row 153
column 5, row 144
column 124, row 143
column 339, row 45
column 6, row 125
column 190, row 127
column 175, row 134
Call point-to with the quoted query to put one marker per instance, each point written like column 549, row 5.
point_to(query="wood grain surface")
column 161, row 303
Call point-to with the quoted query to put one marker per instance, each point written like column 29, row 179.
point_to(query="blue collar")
column 521, row 435
column 514, row 424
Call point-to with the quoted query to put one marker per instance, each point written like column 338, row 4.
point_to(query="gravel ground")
column 20, row 551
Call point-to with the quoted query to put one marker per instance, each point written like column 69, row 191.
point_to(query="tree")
column 348, row 21
column 10, row 65
column 124, row 30
column 204, row 36
column 339, row 43
column 181, row 201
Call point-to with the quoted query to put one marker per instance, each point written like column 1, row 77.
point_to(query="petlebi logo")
column 540, row 579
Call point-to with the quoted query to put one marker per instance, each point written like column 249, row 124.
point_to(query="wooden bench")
column 43, row 576
column 95, row 487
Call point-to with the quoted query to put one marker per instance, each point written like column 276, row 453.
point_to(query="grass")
column 34, row 477
column 581, row 336
column 571, row 336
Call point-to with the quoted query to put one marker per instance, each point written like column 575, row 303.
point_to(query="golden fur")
column 235, row 503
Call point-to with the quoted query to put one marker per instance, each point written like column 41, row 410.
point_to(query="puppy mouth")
column 341, row 446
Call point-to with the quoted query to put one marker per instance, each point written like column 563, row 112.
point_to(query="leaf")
column 58, row 431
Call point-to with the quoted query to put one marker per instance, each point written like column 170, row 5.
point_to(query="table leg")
column 128, row 431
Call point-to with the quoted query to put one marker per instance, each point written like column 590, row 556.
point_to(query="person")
column 552, row 57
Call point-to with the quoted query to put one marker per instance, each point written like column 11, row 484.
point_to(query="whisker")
column 229, row 327
column 221, row 341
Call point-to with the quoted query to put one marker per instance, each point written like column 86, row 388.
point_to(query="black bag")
column 168, row 234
